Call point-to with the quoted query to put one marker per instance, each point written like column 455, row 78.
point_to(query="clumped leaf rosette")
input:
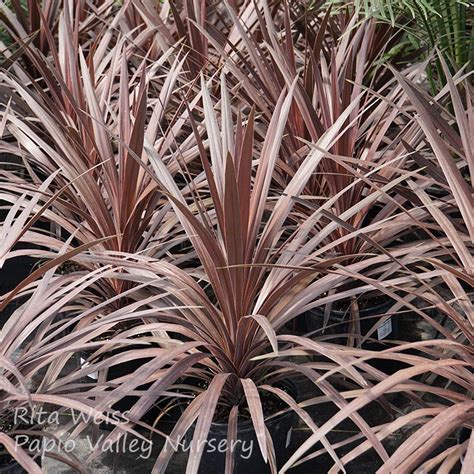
column 39, row 374
column 264, row 150
column 256, row 273
column 88, row 127
column 355, row 202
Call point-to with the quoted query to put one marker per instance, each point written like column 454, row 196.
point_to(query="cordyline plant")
column 331, row 76
column 61, row 317
column 168, row 23
column 442, row 368
column 266, row 53
column 273, row 186
column 89, row 129
column 256, row 273
column 449, row 168
column 38, row 371
column 34, row 25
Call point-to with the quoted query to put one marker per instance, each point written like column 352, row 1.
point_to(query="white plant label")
column 385, row 329
column 92, row 375
column 288, row 437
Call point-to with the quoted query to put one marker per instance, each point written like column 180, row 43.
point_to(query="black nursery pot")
column 12, row 273
column 167, row 417
column 247, row 456
column 369, row 314
column 10, row 466
column 338, row 321
column 16, row 269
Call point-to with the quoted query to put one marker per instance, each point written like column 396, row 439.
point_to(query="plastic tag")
column 385, row 329
column 92, row 375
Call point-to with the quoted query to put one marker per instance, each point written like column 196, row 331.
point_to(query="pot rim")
column 247, row 425
column 370, row 310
